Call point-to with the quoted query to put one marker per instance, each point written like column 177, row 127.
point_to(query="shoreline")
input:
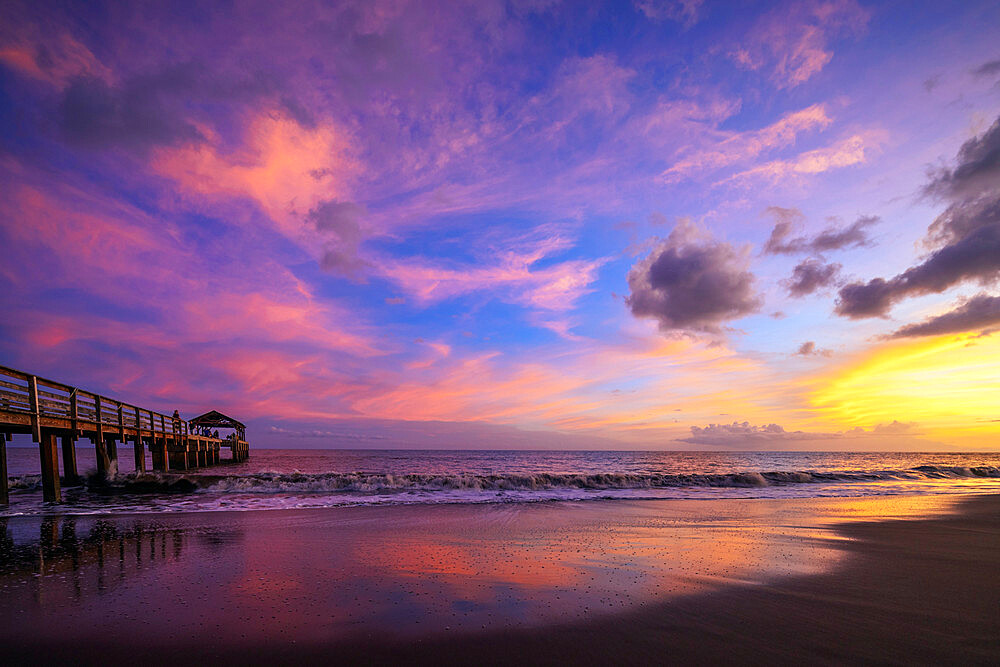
column 854, row 578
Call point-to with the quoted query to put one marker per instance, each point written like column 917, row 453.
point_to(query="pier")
column 58, row 415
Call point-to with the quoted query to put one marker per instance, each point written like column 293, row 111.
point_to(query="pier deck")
column 54, row 413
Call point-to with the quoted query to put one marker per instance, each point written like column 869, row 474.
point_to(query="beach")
column 879, row 579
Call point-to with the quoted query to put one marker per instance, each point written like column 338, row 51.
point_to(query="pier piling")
column 4, row 499
column 49, row 457
column 70, row 473
column 140, row 454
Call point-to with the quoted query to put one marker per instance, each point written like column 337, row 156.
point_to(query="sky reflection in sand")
column 353, row 572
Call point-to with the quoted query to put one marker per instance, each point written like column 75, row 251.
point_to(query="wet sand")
column 885, row 580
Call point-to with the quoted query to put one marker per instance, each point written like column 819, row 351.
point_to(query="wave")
column 377, row 483
column 364, row 483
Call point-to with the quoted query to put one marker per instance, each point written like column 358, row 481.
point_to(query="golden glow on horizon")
column 948, row 385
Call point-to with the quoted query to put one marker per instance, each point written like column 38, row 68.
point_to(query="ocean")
column 287, row 479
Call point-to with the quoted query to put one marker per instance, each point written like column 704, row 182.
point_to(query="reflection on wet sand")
column 72, row 558
column 329, row 576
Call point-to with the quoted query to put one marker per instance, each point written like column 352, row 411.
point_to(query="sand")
column 886, row 580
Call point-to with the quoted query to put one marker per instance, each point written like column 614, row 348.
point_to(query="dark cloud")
column 831, row 238
column 810, row 275
column 809, row 349
column 990, row 68
column 341, row 223
column 964, row 240
column 692, row 282
column 977, row 170
column 159, row 108
column 979, row 312
column 96, row 115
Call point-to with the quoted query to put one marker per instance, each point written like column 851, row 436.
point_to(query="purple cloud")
column 831, row 238
column 965, row 237
column 810, row 275
column 979, row 312
column 691, row 282
column 809, row 349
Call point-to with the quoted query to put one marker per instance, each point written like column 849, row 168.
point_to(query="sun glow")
column 948, row 385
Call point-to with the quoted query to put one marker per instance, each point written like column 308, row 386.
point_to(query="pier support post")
column 178, row 459
column 202, row 455
column 140, row 454
column 101, row 453
column 158, row 449
column 4, row 498
column 111, row 445
column 70, row 472
column 49, row 457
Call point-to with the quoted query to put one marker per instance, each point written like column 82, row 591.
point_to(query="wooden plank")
column 11, row 385
column 13, row 373
column 49, row 394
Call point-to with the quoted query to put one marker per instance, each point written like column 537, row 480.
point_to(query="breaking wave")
column 377, row 483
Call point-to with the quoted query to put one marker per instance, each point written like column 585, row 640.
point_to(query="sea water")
column 281, row 479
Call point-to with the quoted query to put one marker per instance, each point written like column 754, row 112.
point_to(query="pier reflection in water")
column 67, row 558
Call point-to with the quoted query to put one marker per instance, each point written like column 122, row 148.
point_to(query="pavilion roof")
column 217, row 419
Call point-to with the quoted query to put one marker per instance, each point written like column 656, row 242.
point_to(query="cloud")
column 513, row 274
column 95, row 114
column 342, row 221
column 831, row 238
column 744, row 146
column 744, row 435
column 691, row 282
column 792, row 42
column 980, row 312
column 895, row 427
column 965, row 238
column 52, row 56
column 990, row 68
column 810, row 275
column 681, row 11
column 809, row 349
column 845, row 153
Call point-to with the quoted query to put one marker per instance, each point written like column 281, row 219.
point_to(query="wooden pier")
column 57, row 414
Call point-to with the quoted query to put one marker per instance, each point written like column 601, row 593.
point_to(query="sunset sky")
column 663, row 224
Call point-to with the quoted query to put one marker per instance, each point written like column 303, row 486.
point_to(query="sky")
column 675, row 224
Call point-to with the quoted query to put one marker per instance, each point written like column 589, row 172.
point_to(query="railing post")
column 100, row 446
column 36, row 425
column 74, row 414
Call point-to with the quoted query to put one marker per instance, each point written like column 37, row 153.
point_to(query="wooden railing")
column 39, row 398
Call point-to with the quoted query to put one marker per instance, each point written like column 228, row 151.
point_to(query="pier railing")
column 40, row 400
column 48, row 410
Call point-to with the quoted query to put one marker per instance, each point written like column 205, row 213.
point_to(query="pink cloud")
column 852, row 150
column 65, row 57
column 513, row 275
column 734, row 147
column 793, row 41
